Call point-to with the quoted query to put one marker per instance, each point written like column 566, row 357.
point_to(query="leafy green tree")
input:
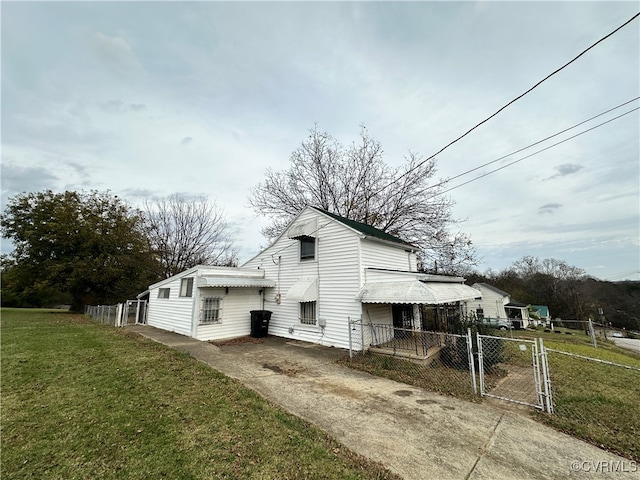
column 90, row 246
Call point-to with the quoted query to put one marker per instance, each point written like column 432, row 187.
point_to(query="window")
column 186, row 287
column 307, row 248
column 163, row 292
column 211, row 310
column 480, row 314
column 308, row 313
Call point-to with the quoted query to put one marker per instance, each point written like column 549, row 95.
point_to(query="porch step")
column 432, row 353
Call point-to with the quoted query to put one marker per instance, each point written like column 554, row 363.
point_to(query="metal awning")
column 304, row 291
column 415, row 291
column 234, row 282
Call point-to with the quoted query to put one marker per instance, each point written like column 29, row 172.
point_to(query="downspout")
column 195, row 301
column 318, row 284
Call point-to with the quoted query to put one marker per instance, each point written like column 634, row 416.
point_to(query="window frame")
column 164, row 293
column 303, row 315
column 305, row 255
column 204, row 311
column 186, row 287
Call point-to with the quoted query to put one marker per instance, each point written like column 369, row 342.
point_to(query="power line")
column 533, row 144
column 511, row 102
column 512, row 153
column 535, row 153
column 620, row 276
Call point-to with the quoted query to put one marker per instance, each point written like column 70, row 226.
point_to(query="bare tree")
column 185, row 233
column 356, row 183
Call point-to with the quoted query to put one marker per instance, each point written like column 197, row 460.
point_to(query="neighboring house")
column 321, row 272
column 542, row 312
column 494, row 306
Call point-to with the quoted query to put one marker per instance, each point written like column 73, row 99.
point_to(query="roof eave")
column 404, row 246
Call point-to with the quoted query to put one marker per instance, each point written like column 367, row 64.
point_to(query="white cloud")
column 116, row 54
column 148, row 99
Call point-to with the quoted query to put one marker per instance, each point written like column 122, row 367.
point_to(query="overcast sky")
column 152, row 98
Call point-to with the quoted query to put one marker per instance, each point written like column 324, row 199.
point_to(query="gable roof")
column 365, row 229
column 359, row 227
column 492, row 288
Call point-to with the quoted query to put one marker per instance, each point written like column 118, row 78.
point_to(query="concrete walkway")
column 414, row 433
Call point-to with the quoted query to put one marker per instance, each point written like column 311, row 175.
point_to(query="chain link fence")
column 592, row 399
column 105, row 314
column 596, row 400
column 119, row 315
column 514, row 370
column 441, row 362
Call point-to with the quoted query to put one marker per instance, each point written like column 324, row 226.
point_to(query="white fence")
column 119, row 315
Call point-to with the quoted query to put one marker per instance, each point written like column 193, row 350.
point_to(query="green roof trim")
column 366, row 229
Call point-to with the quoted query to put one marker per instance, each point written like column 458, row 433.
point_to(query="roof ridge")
column 364, row 228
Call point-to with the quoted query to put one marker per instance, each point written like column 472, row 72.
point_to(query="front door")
column 402, row 320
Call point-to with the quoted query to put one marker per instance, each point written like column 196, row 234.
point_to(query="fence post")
column 350, row 346
column 538, row 376
column 361, row 335
column 546, row 377
column 480, row 364
column 593, row 334
column 119, row 311
column 472, row 367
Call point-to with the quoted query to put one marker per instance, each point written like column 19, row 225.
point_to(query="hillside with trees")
column 568, row 291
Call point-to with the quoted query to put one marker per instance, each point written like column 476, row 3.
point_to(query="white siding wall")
column 492, row 303
column 236, row 308
column 378, row 255
column 381, row 276
column 173, row 313
column 376, row 314
column 338, row 273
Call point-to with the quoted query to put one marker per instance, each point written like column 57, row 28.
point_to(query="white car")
column 616, row 335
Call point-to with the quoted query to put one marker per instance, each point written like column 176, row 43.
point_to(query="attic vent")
column 303, row 229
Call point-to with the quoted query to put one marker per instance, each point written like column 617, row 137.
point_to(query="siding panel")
column 236, row 317
column 336, row 267
column 378, row 255
column 173, row 313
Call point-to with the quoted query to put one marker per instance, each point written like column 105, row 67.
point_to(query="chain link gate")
column 514, row 370
column 134, row 312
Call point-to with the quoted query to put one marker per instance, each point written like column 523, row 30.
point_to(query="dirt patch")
column 342, row 391
column 403, row 393
column 236, row 341
column 290, row 371
column 425, row 402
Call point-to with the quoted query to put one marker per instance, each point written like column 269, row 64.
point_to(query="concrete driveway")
column 414, row 433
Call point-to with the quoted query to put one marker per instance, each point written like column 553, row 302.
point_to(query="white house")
column 322, row 271
column 494, row 305
column 207, row 302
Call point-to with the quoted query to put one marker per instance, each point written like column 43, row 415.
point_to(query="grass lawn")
column 85, row 401
column 576, row 341
column 595, row 401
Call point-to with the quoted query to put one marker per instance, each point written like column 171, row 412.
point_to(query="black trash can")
column 260, row 323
